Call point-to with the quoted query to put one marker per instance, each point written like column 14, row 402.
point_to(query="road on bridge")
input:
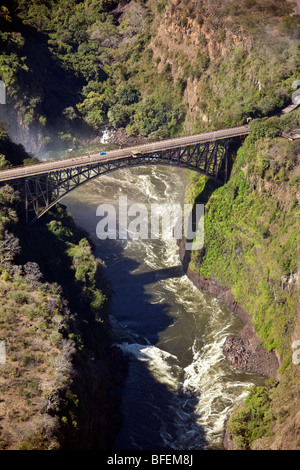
column 152, row 147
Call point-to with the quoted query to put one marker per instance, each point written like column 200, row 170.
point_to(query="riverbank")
column 250, row 260
column 244, row 351
column 62, row 377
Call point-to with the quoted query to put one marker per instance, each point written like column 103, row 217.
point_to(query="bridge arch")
column 41, row 191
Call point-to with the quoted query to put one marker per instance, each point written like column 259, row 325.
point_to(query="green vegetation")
column 79, row 50
column 252, row 232
column 268, row 415
column 252, row 420
column 12, row 154
column 156, row 69
column 251, row 246
column 72, row 67
column 252, row 61
column 53, row 319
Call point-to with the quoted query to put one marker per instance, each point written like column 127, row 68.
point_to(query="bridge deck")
column 112, row 155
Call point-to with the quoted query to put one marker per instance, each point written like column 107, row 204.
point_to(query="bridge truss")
column 38, row 193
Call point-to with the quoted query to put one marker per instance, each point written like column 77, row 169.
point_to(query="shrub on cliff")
column 253, row 419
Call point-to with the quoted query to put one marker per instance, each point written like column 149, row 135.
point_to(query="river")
column 179, row 387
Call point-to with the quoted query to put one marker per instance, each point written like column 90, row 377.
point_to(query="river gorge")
column 179, row 387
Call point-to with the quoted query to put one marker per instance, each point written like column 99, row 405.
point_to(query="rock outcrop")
column 244, row 351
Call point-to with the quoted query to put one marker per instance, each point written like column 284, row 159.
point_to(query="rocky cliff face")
column 245, row 351
column 193, row 65
column 250, row 259
column 60, row 377
column 218, row 55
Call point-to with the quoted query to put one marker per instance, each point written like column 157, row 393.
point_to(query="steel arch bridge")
column 43, row 185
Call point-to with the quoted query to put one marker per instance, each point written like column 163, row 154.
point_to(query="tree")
column 118, row 115
column 3, row 162
column 93, row 109
column 9, row 248
column 30, row 161
column 129, row 95
column 33, row 273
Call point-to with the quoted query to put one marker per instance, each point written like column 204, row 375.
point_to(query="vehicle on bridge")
column 45, row 184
